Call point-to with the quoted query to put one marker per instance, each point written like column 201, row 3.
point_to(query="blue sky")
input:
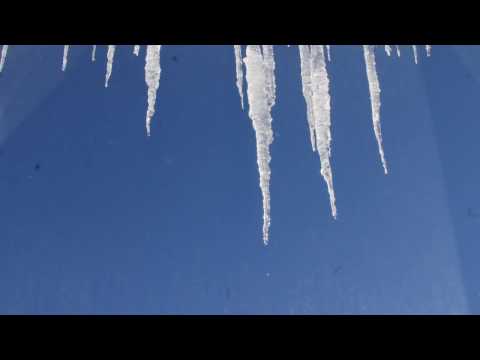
column 111, row 221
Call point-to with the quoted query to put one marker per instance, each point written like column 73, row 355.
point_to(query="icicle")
column 398, row 50
column 136, row 50
column 152, row 78
column 239, row 71
column 65, row 57
column 4, row 57
column 320, row 88
column 328, row 53
column 374, row 87
column 110, row 56
column 428, row 48
column 388, row 50
column 415, row 53
column 269, row 62
column 94, row 50
column 305, row 66
column 260, row 98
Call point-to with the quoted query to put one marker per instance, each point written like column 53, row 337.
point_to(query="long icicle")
column 110, row 57
column 259, row 77
column 374, row 88
column 4, row 57
column 322, row 117
column 306, row 75
column 65, row 57
column 239, row 71
column 152, row 79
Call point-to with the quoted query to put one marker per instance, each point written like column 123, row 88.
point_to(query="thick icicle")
column 110, row 56
column 306, row 74
column 269, row 61
column 374, row 87
column 260, row 98
column 388, row 50
column 4, row 57
column 239, row 71
column 415, row 53
column 320, row 85
column 428, row 48
column 152, row 78
column 136, row 50
column 65, row 57
column 94, row 50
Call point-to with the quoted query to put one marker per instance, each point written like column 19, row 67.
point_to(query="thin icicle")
column 328, row 53
column 152, row 78
column 259, row 77
column 374, row 87
column 320, row 85
column 136, row 50
column 388, row 50
column 94, row 50
column 428, row 48
column 306, row 74
column 398, row 50
column 65, row 57
column 4, row 57
column 239, row 71
column 110, row 56
column 415, row 53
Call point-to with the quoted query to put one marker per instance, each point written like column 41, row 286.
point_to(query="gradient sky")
column 96, row 218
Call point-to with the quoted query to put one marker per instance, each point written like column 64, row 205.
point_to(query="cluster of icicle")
column 259, row 65
column 152, row 71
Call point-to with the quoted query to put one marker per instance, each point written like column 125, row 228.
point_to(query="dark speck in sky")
column 337, row 269
column 472, row 213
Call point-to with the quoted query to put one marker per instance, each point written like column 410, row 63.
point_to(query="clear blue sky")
column 97, row 218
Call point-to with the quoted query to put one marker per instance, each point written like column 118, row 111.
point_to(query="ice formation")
column 259, row 73
column 65, row 57
column 152, row 78
column 260, row 68
column 415, row 53
column 428, row 48
column 388, row 50
column 239, row 70
column 374, row 88
column 110, row 56
column 3, row 56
